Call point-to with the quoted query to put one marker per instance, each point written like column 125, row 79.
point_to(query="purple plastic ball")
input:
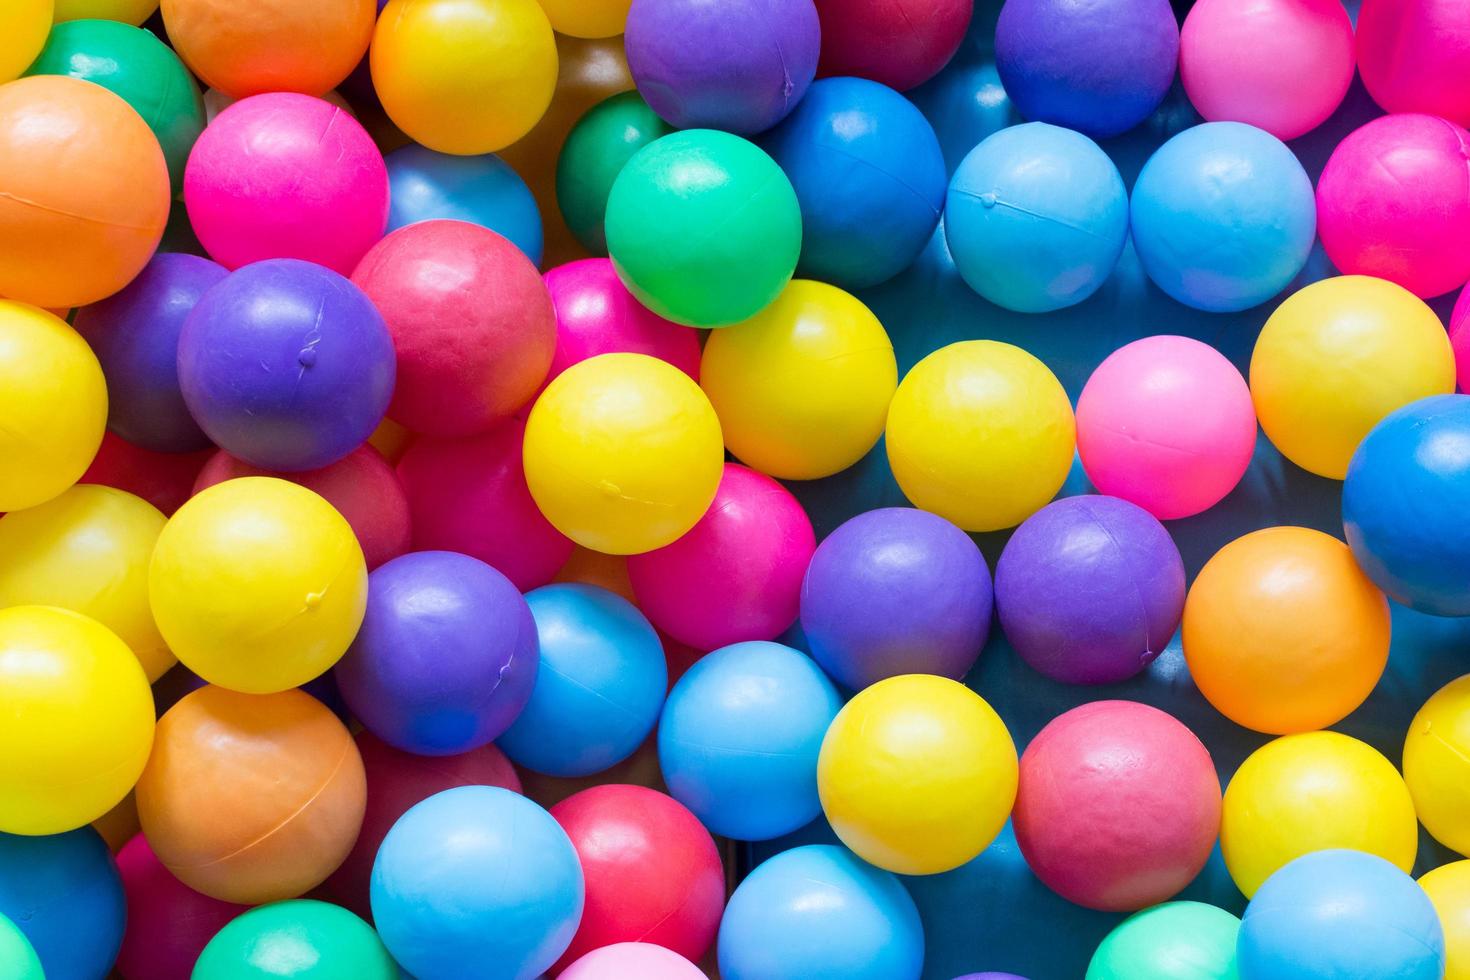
column 991, row 976
column 135, row 335
column 896, row 591
column 736, row 65
column 286, row 365
column 1089, row 590
column 446, row 657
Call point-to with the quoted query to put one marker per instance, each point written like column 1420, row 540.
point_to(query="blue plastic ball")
column 1340, row 915
column 65, row 894
column 1036, row 218
column 1406, row 505
column 476, row 883
column 483, row 190
column 599, row 688
column 740, row 735
column 869, row 176
column 819, row 913
column 1223, row 217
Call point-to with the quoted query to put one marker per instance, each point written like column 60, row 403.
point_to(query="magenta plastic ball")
column 736, row 575
column 1394, row 202
column 1460, row 339
column 631, row 961
column 1414, row 56
column 1089, row 590
column 283, row 175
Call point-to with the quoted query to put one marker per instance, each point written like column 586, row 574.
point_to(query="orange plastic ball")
column 1283, row 632
column 84, row 191
column 251, row 798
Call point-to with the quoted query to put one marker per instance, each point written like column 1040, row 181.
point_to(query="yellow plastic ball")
column 981, row 433
column 128, row 11
column 1448, row 887
column 258, row 585
column 77, row 722
column 623, row 453
column 587, row 18
column 464, row 76
column 1311, row 792
column 53, row 405
column 1338, row 356
column 24, row 26
column 1437, row 764
column 917, row 774
column 88, row 551
column 802, row 388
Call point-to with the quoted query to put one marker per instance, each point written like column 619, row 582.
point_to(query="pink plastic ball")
column 169, row 923
column 1460, row 339
column 736, row 575
column 1414, row 56
column 1394, row 202
column 595, row 314
column 632, row 961
column 470, row 496
column 1281, row 65
column 1168, row 424
column 284, row 175
column 1118, row 806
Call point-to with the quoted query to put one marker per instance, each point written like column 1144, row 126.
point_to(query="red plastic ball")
column 900, row 43
column 165, row 480
column 1118, row 806
column 169, row 923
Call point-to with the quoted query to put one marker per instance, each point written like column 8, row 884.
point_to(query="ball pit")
column 1412, row 56
column 1448, row 887
column 1435, row 764
column 899, row 44
column 25, row 25
column 168, row 923
column 601, row 143
column 299, row 940
column 631, row 961
column 482, row 190
column 64, row 895
column 1173, row 941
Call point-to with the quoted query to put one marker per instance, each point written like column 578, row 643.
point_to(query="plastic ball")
column 1166, row 423
column 632, row 961
column 1448, row 887
column 1392, row 202
column 917, row 774
column 869, row 176
column 1173, row 941
column 1309, row 792
column 138, row 67
column 84, row 191
column 64, row 895
column 165, row 480
column 464, row 77
column 476, row 875
column 1089, row 590
column 623, row 453
column 482, row 190
column 1036, row 218
column 300, row 940
column 1223, row 217
column 1436, row 750
column 738, row 66
column 135, row 335
column 739, row 737
column 258, row 585
column 1099, row 68
column 1413, row 56
column 899, row 44
column 1459, row 330
column 18, row 958
column 1342, row 915
column 1404, row 501
column 819, row 913
column 609, row 572
column 896, row 591
column 599, row 687
column 471, row 321
column 802, row 388
column 587, row 18
column 169, row 923
column 127, row 11
column 24, row 25
column 736, row 575
column 601, row 143
column 663, row 214
column 470, row 495
column 1283, row 65
column 251, row 798
column 286, row 176
column 981, row 433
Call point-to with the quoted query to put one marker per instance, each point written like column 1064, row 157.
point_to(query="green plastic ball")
column 1173, row 941
column 703, row 228
column 18, row 961
column 596, row 150
column 301, row 940
column 139, row 68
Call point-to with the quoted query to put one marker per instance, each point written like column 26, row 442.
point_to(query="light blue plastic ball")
column 1036, row 218
column 1340, row 915
column 476, row 883
column 600, row 686
column 819, row 913
column 65, row 894
column 740, row 735
column 483, row 190
column 1223, row 217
